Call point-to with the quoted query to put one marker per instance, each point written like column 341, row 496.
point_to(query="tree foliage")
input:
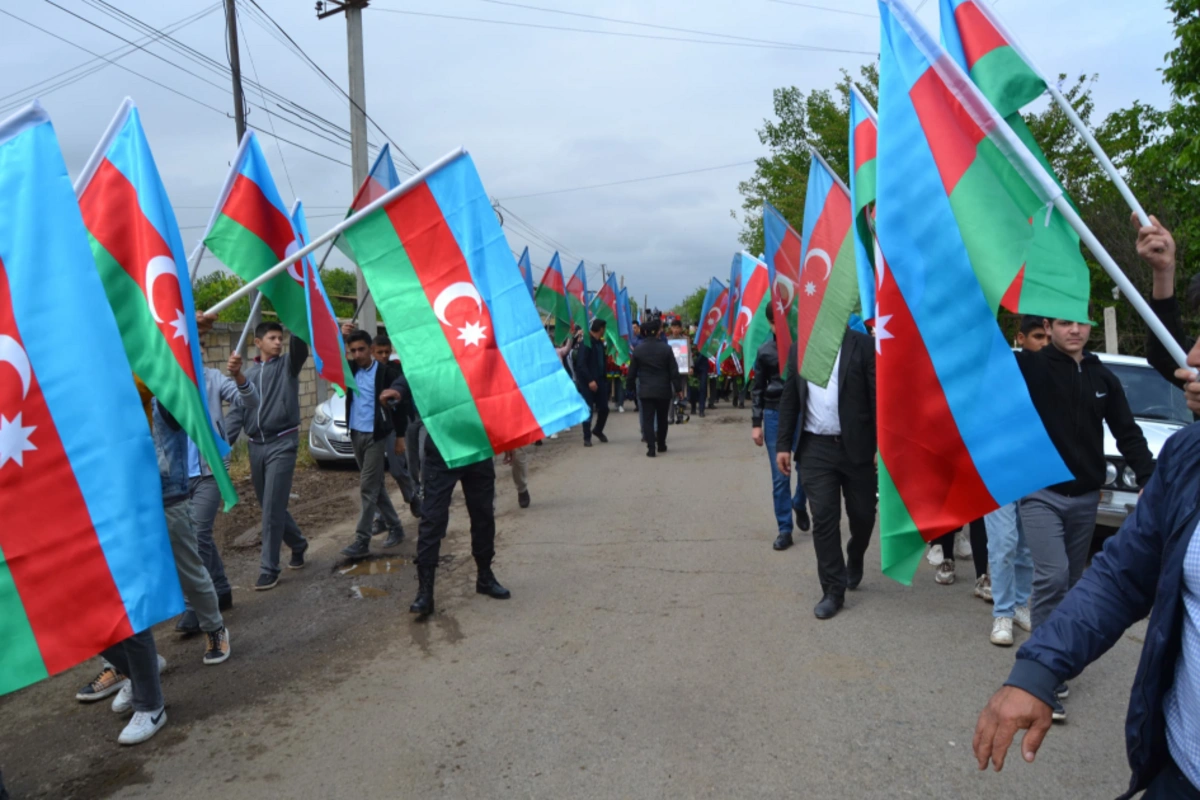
column 821, row 119
column 216, row 286
column 690, row 307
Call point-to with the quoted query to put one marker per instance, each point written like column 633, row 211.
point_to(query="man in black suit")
column 591, row 379
column 654, row 373
column 837, row 458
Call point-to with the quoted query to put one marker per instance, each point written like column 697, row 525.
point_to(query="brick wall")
column 222, row 339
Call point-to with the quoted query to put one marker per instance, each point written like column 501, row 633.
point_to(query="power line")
column 626, row 33
column 333, row 83
column 827, row 8
column 645, row 24
column 270, row 116
column 631, row 180
column 170, row 89
column 45, row 86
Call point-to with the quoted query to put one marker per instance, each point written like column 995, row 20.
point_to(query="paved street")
column 655, row 647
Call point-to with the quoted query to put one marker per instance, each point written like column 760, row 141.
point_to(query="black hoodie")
column 1074, row 400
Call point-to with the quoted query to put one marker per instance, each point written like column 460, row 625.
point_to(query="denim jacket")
column 171, row 447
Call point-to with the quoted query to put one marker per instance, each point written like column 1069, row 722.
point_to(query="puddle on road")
column 376, row 567
column 367, row 592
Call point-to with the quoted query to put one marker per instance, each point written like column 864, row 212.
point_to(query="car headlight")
column 321, row 418
column 1130, row 477
column 1110, row 472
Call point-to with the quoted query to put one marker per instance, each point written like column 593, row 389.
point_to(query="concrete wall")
column 223, row 338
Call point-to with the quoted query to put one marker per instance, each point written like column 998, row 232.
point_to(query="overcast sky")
column 540, row 110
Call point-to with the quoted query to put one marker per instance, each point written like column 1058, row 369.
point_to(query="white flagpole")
column 241, row 345
column 401, row 190
column 1052, row 88
column 1035, row 175
column 836, row 178
column 862, row 99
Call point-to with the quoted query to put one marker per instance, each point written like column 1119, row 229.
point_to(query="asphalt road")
column 656, row 647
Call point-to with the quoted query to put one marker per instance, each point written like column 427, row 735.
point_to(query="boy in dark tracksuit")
column 273, row 432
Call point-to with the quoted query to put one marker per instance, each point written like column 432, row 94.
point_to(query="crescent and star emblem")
column 294, row 268
column 749, row 315
column 158, row 267
column 474, row 332
column 782, row 283
column 14, row 437
column 821, row 254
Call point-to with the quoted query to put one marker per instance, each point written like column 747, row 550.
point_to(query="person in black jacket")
column 654, row 373
column 837, row 459
column 1074, row 395
column 372, row 421
column 764, row 403
column 591, row 379
column 700, row 373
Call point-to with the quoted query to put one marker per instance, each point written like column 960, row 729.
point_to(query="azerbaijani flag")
column 750, row 327
column 606, row 309
column 1054, row 281
column 954, row 415
column 379, row 181
column 624, row 315
column 551, row 299
column 864, row 136
column 135, row 242
column 251, row 231
column 712, row 312
column 84, row 556
column 481, row 369
column 328, row 350
column 526, row 267
column 577, row 299
column 734, row 303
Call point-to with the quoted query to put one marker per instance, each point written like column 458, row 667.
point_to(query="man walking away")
column 1010, row 564
column 591, row 379
column 1075, row 395
column 837, row 459
column 654, row 373
column 768, row 388
column 372, row 423
column 274, row 434
column 205, row 496
column 700, row 373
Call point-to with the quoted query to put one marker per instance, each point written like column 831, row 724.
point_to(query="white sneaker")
column 143, row 725
column 983, row 588
column 1022, row 618
column 945, row 572
column 554, row 436
column 935, row 557
column 123, row 702
column 162, row 664
column 1002, row 631
column 962, row 545
column 620, row 409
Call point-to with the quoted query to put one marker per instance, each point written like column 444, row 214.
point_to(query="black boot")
column 487, row 584
column 423, row 605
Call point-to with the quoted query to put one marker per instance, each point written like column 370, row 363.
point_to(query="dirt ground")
column 655, row 647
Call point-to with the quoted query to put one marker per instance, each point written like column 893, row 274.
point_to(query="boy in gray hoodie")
column 273, row 431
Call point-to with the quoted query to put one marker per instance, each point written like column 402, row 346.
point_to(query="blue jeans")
column 1009, row 561
column 781, row 485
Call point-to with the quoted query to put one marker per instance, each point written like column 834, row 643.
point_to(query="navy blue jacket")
column 1139, row 572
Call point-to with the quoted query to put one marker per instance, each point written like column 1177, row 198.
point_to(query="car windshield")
column 1150, row 395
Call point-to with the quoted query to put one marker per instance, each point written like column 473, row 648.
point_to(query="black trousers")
column 655, row 414
column 699, row 394
column 827, row 475
column 598, row 403
column 479, row 490
column 1171, row 784
column 979, row 552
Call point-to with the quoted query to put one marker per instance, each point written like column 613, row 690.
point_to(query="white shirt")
column 821, row 414
column 1182, row 703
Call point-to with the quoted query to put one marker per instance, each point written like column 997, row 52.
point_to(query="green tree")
column 1183, row 75
column 689, row 308
column 342, row 282
column 216, row 286
column 820, row 119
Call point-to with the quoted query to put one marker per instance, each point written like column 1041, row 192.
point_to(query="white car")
column 1160, row 409
column 328, row 437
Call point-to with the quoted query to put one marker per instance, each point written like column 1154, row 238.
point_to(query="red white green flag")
column 481, row 370
column 605, row 306
column 577, row 300
column 750, row 326
column 379, row 181
column 251, row 232
column 551, row 300
column 139, row 253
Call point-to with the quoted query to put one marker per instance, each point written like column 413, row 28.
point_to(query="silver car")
column 1160, row 410
column 328, row 437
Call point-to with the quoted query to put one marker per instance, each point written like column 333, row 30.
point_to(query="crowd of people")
column 1030, row 556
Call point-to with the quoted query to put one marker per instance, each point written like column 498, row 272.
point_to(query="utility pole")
column 358, row 123
column 239, row 119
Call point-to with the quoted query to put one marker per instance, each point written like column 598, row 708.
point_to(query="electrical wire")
column 270, row 116
column 630, row 180
column 626, row 33
column 333, row 83
column 510, row 4
column 826, row 8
